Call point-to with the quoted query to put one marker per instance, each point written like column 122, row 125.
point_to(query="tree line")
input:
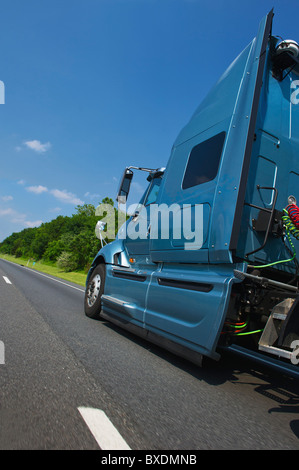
column 67, row 241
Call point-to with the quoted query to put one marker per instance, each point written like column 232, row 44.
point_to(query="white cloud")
column 66, row 197
column 37, row 189
column 61, row 195
column 7, row 198
column 30, row 224
column 18, row 218
column 21, row 182
column 37, row 146
column 92, row 196
column 6, row 212
column 55, row 209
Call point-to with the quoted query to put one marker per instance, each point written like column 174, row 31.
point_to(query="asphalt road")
column 62, row 373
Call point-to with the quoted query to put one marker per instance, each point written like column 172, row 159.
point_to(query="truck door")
column 130, row 286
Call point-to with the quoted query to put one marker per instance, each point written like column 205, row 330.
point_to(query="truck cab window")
column 203, row 162
column 152, row 192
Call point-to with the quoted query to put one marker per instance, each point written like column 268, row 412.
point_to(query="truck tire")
column 93, row 293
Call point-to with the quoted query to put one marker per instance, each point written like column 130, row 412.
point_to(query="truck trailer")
column 207, row 262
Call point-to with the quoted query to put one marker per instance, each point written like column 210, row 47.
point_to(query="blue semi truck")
column 222, row 273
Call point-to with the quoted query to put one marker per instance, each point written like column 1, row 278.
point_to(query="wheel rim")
column 93, row 290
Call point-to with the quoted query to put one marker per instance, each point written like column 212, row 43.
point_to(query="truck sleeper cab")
column 208, row 261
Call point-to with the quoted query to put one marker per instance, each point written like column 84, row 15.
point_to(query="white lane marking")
column 102, row 429
column 53, row 279
column 41, row 274
column 6, row 280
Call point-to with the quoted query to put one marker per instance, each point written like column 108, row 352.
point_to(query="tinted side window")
column 153, row 192
column 204, row 161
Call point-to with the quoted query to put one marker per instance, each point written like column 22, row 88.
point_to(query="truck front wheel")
column 94, row 291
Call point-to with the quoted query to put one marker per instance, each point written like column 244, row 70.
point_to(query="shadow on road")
column 282, row 390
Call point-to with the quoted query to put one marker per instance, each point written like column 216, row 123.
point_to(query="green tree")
column 69, row 240
column 66, row 262
column 87, row 210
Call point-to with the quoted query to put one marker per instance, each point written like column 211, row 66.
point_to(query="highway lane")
column 42, row 385
column 57, row 360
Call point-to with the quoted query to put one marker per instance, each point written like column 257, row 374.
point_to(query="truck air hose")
column 237, row 329
column 290, row 220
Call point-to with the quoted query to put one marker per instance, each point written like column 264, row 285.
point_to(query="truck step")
column 272, row 329
column 276, row 351
column 121, row 304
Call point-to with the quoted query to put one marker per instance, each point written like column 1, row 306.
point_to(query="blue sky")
column 92, row 86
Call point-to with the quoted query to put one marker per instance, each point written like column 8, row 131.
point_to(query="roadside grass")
column 76, row 277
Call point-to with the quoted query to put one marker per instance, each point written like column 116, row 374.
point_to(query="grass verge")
column 76, row 277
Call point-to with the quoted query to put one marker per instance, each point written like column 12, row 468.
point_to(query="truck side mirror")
column 124, row 186
column 100, row 226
